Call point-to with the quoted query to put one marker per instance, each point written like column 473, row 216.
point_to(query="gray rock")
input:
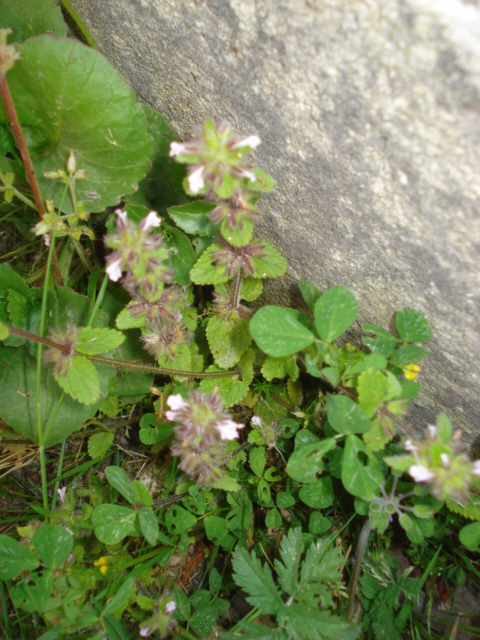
column 369, row 114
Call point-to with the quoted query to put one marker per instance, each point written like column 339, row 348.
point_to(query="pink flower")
column 170, row 606
column 251, row 141
column 114, row 270
column 176, row 148
column 151, row 221
column 195, row 180
column 476, row 467
column 228, row 429
column 420, row 473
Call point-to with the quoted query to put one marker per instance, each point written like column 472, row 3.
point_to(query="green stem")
column 121, row 364
column 59, row 473
column 76, row 18
column 362, row 546
column 98, row 301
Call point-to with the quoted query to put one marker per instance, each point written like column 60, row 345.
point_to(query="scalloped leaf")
column 237, row 235
column 81, row 382
column 228, row 340
column 271, row 265
column 231, row 390
column 92, row 341
column 68, row 97
column 205, row 271
column 280, row 367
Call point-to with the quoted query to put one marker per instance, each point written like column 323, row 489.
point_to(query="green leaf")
column 148, row 525
column 280, row 367
column 14, row 558
column 182, row 255
column 279, row 331
column 216, row 531
column 120, row 600
column 335, row 312
column 271, row 265
column 359, row 478
column 112, row 522
column 231, row 390
column 321, row 574
column 345, row 416
column 99, row 444
column 119, row 480
column 257, row 581
column 470, row 536
column 273, row 519
column 237, row 235
column 67, row 98
column 257, row 460
column 92, row 341
column 4, row 332
column 263, row 184
column 306, row 462
column 250, row 289
column 81, row 381
column 192, row 218
column 318, row 494
column 179, row 520
column 228, row 340
column 206, row 271
column 204, row 619
column 152, row 430
column 310, row 293
column 53, row 545
column 142, row 494
column 16, row 306
column 368, row 361
column 383, row 344
column 183, row 607
column 291, row 550
column 410, row 526
column 318, row 524
column 372, row 387
column 408, row 353
column 226, row 483
column 412, row 326
column 32, row 18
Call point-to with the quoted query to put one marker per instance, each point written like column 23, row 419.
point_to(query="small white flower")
column 170, row 606
column 256, row 420
column 61, row 494
column 114, row 271
column 420, row 473
column 176, row 402
column 251, row 141
column 46, row 239
column 476, row 467
column 409, row 446
column 176, row 148
column 196, row 181
column 151, row 221
column 228, row 429
column 445, row 458
column 432, row 431
column 121, row 214
column 145, row 631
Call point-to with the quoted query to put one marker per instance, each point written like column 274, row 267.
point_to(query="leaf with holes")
column 179, row 520
column 361, row 471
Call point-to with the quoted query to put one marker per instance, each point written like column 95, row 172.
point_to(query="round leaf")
column 412, row 326
column 279, row 332
column 53, row 544
column 113, row 523
column 470, row 536
column 14, row 558
column 359, row 478
column 319, row 494
column 345, row 416
column 335, row 312
column 69, row 98
column 120, row 481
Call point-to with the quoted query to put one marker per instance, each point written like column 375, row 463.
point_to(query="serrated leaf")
column 99, row 444
column 125, row 319
column 226, row 483
column 345, row 416
column 271, row 265
column 250, row 289
column 81, row 381
column 53, row 545
column 359, row 478
column 109, row 406
column 335, row 312
column 306, row 462
column 112, row 522
column 291, row 550
column 412, row 326
column 14, row 558
column 119, row 480
column 32, row 18
column 148, row 525
column 257, row 581
column 228, row 340
column 279, row 331
column 231, row 390
column 237, row 235
column 92, row 341
column 280, row 367
column 469, row 510
column 411, row 528
column 85, row 106
column 321, row 574
column 384, row 343
column 372, row 387
column 192, row 217
column 381, row 432
column 205, row 271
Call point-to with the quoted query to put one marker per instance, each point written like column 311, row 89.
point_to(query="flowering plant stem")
column 121, row 364
column 27, row 161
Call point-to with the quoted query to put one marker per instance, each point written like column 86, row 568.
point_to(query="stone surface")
column 369, row 113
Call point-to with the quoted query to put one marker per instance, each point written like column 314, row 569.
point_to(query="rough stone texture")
column 369, row 113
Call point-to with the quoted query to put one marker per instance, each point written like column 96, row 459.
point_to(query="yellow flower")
column 410, row 371
column 101, row 563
